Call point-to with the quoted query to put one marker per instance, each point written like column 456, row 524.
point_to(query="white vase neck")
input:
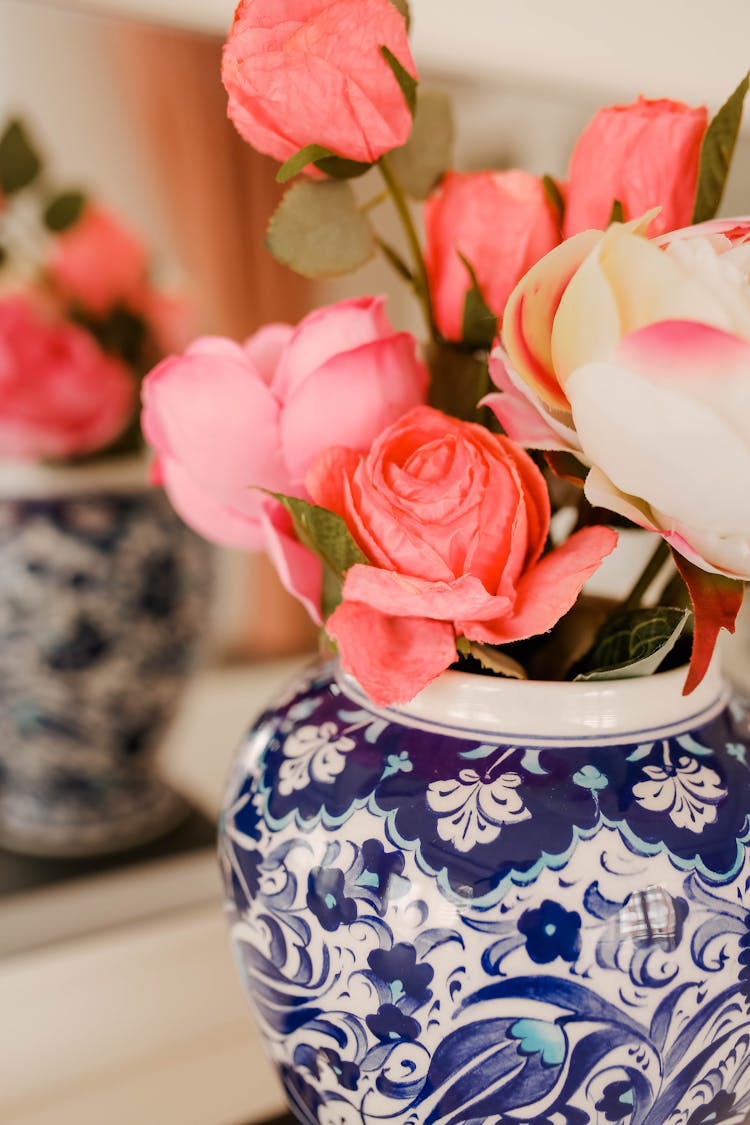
column 546, row 712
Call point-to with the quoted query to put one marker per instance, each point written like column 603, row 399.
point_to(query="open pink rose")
column 60, row 395
column 454, row 520
column 645, row 154
column 226, row 420
column 500, row 222
column 302, row 72
column 98, row 262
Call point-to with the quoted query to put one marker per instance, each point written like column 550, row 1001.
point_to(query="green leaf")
column 64, row 211
column 20, row 164
column 339, row 168
column 421, row 162
column 479, row 326
column 297, row 163
column 403, row 7
column 617, row 214
column 318, row 230
column 458, row 379
column 716, row 154
column 407, row 83
column 555, row 196
column 323, row 532
column 396, row 261
column 634, row 643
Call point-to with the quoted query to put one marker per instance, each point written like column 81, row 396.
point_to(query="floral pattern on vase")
column 445, row 927
column 103, row 597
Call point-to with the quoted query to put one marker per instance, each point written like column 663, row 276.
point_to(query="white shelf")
column 120, row 989
column 673, row 47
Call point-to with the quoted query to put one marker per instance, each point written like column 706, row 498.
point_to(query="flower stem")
column 650, row 571
column 404, row 214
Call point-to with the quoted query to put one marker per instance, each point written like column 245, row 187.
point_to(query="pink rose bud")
column 227, row 420
column 454, row 520
column 302, row 72
column 500, row 222
column 97, row 262
column 60, row 395
column 646, row 155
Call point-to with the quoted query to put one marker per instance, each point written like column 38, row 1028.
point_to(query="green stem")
column 650, row 571
column 404, row 214
column 376, row 200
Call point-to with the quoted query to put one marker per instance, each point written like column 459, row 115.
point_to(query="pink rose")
column 97, row 262
column 60, row 395
column 226, row 420
column 645, row 154
column 500, row 222
column 454, row 520
column 302, row 72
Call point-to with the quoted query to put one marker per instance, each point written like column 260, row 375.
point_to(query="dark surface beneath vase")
column 26, row 873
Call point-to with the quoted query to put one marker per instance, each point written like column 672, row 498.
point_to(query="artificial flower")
column 227, row 420
column 645, row 154
column 301, row 72
column 60, row 394
column 454, row 520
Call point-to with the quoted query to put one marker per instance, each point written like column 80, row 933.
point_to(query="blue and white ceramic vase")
column 103, row 607
column 505, row 902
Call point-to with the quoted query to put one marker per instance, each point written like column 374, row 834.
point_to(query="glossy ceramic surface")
column 103, row 602
column 506, row 903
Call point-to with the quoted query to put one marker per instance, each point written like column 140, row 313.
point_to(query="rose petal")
column 530, row 313
column 548, row 590
column 266, row 347
column 300, row 571
column 327, row 332
column 392, row 658
column 402, row 595
column 350, row 399
column 201, row 510
column 655, row 441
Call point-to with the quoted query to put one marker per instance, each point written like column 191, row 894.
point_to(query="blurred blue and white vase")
column 104, row 598
column 504, row 903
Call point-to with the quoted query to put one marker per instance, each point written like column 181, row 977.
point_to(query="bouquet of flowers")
column 602, row 323
column 81, row 320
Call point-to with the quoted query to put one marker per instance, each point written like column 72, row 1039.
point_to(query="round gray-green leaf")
column 427, row 154
column 318, row 230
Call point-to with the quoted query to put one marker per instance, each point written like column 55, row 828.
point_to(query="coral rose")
column 500, row 222
column 60, row 395
column 454, row 520
column 302, row 72
column 97, row 262
column 225, row 417
column 645, row 154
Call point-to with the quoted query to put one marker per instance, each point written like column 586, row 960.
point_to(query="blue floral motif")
column 390, row 1023
column 616, row 1102
column 586, row 959
column 327, row 900
column 715, row 1111
column 551, row 932
column 379, row 869
column 398, row 967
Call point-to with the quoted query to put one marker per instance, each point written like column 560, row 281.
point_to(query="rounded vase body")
column 103, row 601
column 505, row 902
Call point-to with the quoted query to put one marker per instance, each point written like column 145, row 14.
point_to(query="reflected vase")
column 104, row 598
column 505, row 902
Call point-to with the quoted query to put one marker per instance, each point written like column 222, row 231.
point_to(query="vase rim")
column 555, row 712
column 30, row 479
